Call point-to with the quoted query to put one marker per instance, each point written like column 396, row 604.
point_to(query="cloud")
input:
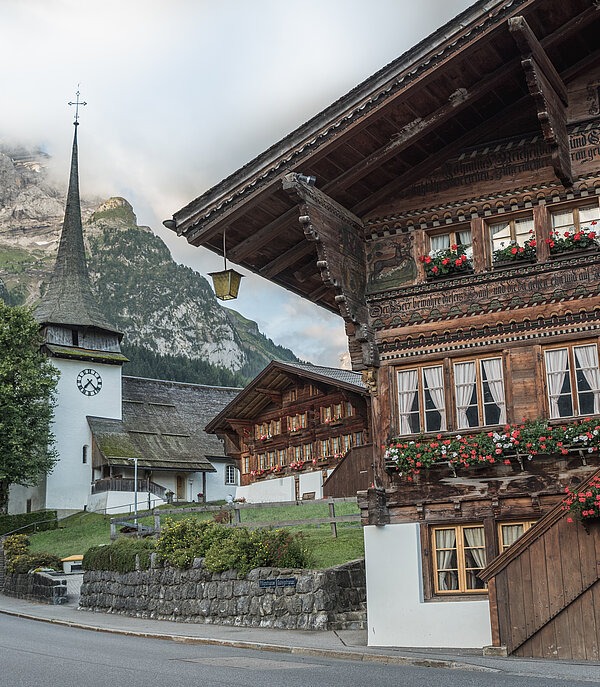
column 183, row 92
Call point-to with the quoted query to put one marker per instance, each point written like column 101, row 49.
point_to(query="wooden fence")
column 235, row 515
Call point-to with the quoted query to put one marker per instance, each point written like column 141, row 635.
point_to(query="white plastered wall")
column 68, row 485
column 280, row 489
column 118, row 502
column 398, row 615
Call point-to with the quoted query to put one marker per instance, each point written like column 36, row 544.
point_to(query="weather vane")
column 77, row 103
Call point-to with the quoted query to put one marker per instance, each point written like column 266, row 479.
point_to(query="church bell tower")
column 85, row 348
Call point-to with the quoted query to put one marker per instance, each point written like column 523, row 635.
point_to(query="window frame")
column 512, row 228
column 479, row 389
column 421, row 396
column 227, row 472
column 574, row 210
column 527, row 525
column 460, row 560
column 452, row 233
column 574, row 384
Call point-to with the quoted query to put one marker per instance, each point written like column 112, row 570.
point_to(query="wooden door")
column 180, row 488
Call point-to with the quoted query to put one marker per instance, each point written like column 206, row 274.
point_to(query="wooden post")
column 237, row 513
column 332, row 515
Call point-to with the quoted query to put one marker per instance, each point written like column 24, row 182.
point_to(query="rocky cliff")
column 173, row 325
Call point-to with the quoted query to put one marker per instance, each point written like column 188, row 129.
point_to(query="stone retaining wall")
column 39, row 586
column 329, row 599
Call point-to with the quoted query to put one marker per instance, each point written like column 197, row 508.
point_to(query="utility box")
column 72, row 564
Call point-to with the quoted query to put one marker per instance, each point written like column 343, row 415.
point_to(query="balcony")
column 128, row 484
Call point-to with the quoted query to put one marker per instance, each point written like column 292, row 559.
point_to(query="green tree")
column 27, row 397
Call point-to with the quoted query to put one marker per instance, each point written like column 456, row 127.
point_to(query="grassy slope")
column 79, row 532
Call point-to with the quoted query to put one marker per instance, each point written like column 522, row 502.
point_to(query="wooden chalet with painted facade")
column 292, row 426
column 453, row 227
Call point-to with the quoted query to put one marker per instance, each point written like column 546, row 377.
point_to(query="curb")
column 260, row 646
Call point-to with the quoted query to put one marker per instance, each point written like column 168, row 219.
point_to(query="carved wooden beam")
column 262, row 236
column 339, row 239
column 549, row 94
column 274, row 395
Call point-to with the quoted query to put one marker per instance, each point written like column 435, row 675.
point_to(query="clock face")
column 89, row 382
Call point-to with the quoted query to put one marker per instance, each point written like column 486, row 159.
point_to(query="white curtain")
column 465, row 240
column 434, row 382
column 407, row 389
column 476, row 538
column 510, row 534
column 440, row 242
column 557, row 364
column 493, row 375
column 464, row 381
column 587, row 360
column 446, row 539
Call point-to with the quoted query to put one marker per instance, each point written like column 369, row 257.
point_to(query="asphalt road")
column 36, row 654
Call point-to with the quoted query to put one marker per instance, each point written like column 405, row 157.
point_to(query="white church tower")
column 85, row 349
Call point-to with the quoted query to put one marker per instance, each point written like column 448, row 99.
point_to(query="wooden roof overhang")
column 269, row 385
column 465, row 84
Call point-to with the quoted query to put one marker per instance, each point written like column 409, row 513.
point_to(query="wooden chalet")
column 293, row 426
column 452, row 225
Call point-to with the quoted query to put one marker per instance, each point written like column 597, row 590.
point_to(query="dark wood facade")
column 489, row 128
column 294, row 418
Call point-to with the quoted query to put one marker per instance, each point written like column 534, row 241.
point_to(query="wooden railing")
column 235, row 515
column 127, row 484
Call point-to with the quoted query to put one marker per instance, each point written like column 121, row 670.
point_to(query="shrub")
column 182, row 541
column 25, row 562
column 47, row 520
column 119, row 556
column 16, row 545
column 247, row 549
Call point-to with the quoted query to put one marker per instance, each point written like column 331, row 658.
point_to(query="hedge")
column 10, row 523
column 119, row 556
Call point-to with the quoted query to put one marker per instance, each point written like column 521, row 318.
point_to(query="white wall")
column 280, row 489
column 311, row 481
column 18, row 496
column 116, row 502
column 397, row 613
column 68, row 485
column 216, row 489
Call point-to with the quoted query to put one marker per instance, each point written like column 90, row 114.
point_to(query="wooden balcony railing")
column 127, row 484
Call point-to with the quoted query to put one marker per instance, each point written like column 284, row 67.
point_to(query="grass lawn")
column 80, row 531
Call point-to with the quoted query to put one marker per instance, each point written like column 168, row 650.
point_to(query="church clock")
column 89, row 382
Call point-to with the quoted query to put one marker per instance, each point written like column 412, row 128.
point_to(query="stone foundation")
column 329, row 599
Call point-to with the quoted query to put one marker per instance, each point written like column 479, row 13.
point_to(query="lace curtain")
column 464, row 379
column 493, row 374
column 587, row 360
column 557, row 366
column 446, row 539
column 475, row 537
column 434, row 382
column 510, row 534
column 407, row 390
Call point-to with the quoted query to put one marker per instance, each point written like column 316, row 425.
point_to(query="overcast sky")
column 183, row 92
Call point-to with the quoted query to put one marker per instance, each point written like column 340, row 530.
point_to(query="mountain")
column 174, row 327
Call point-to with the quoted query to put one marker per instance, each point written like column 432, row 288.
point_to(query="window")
column 336, row 445
column 479, row 393
column 281, row 456
column 262, row 431
column 509, row 532
column 271, row 459
column 518, row 231
column 573, row 369
column 84, row 454
column 349, row 409
column 261, row 461
column 313, row 390
column 246, row 464
column 347, row 442
column 324, row 448
column 421, row 405
column 293, row 395
column 296, row 422
column 358, row 438
column 459, row 555
column 575, row 219
column 307, row 451
column 275, row 427
column 458, row 238
column 230, row 475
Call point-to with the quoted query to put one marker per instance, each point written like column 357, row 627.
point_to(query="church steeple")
column 69, row 301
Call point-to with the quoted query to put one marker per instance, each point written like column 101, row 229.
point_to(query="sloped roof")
column 163, row 425
column 69, row 300
column 277, row 377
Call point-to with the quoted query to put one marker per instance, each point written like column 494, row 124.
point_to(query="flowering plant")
column 515, row 252
column 276, row 468
column 264, row 437
column 297, row 465
column 258, row 473
column 573, row 240
column 584, row 504
column 439, row 263
column 530, row 438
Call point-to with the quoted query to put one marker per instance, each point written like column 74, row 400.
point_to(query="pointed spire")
column 69, row 300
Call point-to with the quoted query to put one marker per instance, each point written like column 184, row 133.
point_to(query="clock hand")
column 89, row 381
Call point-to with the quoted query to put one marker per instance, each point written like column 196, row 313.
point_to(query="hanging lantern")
column 227, row 282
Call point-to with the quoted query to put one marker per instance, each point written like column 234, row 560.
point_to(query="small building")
column 292, row 426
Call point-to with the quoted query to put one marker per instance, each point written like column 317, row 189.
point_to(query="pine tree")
column 27, row 398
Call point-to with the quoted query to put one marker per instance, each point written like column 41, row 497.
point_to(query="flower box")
column 451, row 275
column 574, row 253
column 576, row 241
column 449, row 262
column 504, row 264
